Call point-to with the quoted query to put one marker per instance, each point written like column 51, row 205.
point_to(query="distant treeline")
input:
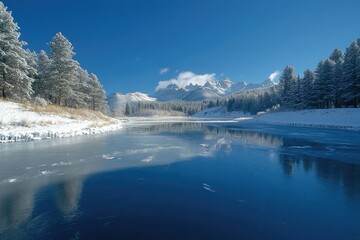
column 188, row 108
column 55, row 77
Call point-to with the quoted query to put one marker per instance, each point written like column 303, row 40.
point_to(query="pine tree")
column 357, row 72
column 63, row 71
column 41, row 83
column 337, row 79
column 297, row 94
column 286, row 87
column 97, row 95
column 15, row 72
column 351, row 85
column 127, row 110
column 318, row 87
column 327, row 81
column 309, row 98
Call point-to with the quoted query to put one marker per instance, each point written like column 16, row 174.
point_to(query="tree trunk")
column 3, row 89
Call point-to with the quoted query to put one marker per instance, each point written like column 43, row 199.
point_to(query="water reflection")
column 26, row 169
column 336, row 173
column 68, row 195
column 211, row 131
column 16, row 209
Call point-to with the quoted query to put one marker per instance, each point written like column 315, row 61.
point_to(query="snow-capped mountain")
column 211, row 89
column 117, row 101
column 222, row 87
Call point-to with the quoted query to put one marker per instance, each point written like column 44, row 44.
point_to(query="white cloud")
column 186, row 78
column 274, row 75
column 164, row 70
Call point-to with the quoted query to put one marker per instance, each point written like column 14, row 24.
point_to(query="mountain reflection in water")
column 38, row 177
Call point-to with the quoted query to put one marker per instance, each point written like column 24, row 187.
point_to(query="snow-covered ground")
column 26, row 122
column 348, row 118
column 328, row 118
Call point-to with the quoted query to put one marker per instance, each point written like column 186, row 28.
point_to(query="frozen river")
column 184, row 180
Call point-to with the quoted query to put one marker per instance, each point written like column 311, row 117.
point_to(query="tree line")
column 55, row 77
column 187, row 108
column 335, row 83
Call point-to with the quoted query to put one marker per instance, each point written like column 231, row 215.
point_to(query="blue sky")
column 127, row 42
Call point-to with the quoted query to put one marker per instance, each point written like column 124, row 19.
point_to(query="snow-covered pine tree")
column 351, row 85
column 82, row 89
column 357, row 72
column 327, row 78
column 97, row 95
column 63, row 71
column 127, row 110
column 286, row 87
column 318, row 87
column 297, row 94
column 41, row 83
column 15, row 72
column 337, row 79
column 309, row 98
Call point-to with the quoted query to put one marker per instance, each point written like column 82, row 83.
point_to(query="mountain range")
column 210, row 90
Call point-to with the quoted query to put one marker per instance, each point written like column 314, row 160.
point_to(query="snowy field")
column 24, row 122
column 348, row 118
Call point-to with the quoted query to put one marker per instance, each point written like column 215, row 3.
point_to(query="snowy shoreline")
column 340, row 118
column 17, row 124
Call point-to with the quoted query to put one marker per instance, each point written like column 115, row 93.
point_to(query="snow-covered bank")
column 26, row 122
column 348, row 118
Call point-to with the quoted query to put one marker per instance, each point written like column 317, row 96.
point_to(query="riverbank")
column 343, row 118
column 29, row 122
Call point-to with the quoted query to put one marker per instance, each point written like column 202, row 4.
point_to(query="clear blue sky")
column 127, row 42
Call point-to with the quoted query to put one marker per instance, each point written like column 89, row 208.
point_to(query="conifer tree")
column 63, row 71
column 41, row 84
column 337, row 79
column 97, row 95
column 309, row 98
column 286, row 87
column 15, row 72
column 351, row 85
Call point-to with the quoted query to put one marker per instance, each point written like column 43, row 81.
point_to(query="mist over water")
column 184, row 180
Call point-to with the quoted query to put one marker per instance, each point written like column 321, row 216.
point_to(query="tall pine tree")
column 337, row 78
column 351, row 85
column 309, row 98
column 286, row 87
column 97, row 95
column 41, row 84
column 63, row 71
column 15, row 71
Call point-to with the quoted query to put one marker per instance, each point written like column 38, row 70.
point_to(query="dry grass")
column 77, row 114
column 98, row 118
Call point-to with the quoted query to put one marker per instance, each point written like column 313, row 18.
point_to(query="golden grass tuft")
column 98, row 118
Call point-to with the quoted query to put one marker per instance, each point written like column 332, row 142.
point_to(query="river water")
column 184, row 180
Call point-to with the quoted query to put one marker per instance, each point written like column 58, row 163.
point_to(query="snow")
column 19, row 123
column 348, row 118
column 118, row 101
column 329, row 118
column 209, row 89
